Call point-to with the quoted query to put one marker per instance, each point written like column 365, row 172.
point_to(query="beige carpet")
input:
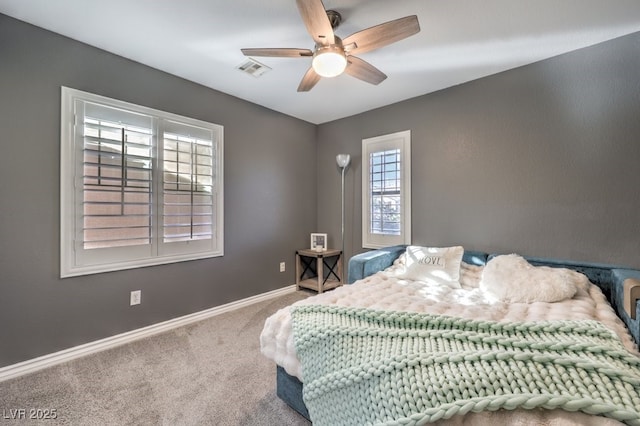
column 207, row 373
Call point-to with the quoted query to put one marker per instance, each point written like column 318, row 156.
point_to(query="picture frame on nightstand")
column 319, row 242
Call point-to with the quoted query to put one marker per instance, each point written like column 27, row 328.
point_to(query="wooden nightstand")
column 310, row 269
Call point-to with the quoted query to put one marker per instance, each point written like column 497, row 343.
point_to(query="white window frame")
column 402, row 141
column 75, row 260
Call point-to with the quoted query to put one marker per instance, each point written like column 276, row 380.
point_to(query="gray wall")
column 264, row 220
column 541, row 160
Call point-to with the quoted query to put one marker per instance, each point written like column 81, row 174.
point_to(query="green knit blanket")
column 363, row 366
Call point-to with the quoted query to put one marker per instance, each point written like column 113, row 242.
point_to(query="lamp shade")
column 329, row 61
column 343, row 160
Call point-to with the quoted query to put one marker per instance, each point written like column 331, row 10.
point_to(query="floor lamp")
column 343, row 162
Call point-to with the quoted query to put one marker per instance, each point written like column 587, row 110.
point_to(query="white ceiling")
column 460, row 40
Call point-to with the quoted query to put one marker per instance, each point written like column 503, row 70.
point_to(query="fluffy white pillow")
column 510, row 278
column 439, row 265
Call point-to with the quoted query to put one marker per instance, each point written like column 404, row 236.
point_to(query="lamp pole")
column 343, row 162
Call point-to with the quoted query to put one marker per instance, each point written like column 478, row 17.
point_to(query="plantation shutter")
column 139, row 186
column 116, row 178
column 188, row 183
column 385, row 202
column 386, row 195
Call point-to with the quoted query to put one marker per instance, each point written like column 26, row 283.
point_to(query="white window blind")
column 190, row 185
column 117, row 178
column 385, row 192
column 386, row 195
column 139, row 186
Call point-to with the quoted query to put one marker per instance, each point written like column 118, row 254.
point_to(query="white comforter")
column 385, row 291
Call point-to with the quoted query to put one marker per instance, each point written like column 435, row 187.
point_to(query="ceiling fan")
column 333, row 55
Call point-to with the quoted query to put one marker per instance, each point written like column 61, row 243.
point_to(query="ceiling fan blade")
column 282, row 53
column 315, row 19
column 382, row 35
column 363, row 70
column 308, row 81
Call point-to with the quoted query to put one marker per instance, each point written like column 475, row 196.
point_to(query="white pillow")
column 510, row 278
column 440, row 265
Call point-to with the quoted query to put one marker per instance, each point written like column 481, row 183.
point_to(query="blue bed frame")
column 610, row 278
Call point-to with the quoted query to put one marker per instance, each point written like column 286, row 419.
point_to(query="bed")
column 439, row 335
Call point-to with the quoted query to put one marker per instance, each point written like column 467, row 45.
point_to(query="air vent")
column 253, row 68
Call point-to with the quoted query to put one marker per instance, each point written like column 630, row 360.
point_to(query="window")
column 386, row 194
column 139, row 186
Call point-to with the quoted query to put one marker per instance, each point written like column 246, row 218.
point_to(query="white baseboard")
column 49, row 360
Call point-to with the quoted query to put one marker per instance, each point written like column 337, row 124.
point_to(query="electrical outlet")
column 136, row 297
column 282, row 267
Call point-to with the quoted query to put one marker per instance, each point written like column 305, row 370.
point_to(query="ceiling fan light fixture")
column 329, row 61
column 330, row 52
